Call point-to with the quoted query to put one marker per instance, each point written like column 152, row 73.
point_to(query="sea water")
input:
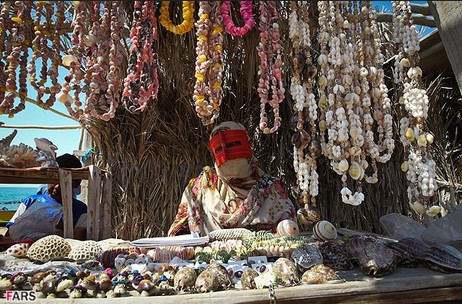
column 10, row 197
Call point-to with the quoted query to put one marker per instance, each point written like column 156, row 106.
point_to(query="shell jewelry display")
column 208, row 91
column 419, row 166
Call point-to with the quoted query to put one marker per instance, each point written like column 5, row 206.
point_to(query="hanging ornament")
column 141, row 83
column 208, row 90
column 247, row 14
column 15, row 48
column 188, row 18
column 306, row 144
column 419, row 166
column 46, row 29
column 270, row 52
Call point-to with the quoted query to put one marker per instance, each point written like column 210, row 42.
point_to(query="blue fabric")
column 78, row 207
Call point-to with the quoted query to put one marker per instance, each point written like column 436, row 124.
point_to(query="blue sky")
column 68, row 140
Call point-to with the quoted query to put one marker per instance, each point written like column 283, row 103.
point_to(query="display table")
column 404, row 285
column 98, row 198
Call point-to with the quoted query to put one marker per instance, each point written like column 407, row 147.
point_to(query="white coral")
column 52, row 247
column 88, row 250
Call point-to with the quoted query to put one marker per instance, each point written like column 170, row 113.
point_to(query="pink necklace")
column 246, row 11
column 141, row 83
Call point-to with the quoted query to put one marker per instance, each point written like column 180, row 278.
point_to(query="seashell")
column 224, row 281
column 355, row 170
column 146, row 285
column 405, row 62
column 403, row 257
column 322, row 101
column 18, row 278
column 285, row 271
column 287, row 228
column 308, row 216
column 89, row 40
column 410, row 134
column 248, row 279
column 335, row 256
column 443, row 258
column 64, row 98
column 185, row 278
column 319, row 274
column 18, row 250
column 306, row 256
column 207, row 281
column 404, row 166
column 422, row 140
column 49, row 287
column 322, row 81
column 5, row 284
column 430, row 138
column 322, row 125
column 68, row 59
column 64, row 284
column 414, row 246
column 343, row 165
column 418, row 207
column 433, row 210
column 324, row 230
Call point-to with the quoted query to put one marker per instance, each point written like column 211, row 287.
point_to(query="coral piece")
column 88, row 250
column 18, row 250
column 17, row 156
column 8, row 139
column 49, row 248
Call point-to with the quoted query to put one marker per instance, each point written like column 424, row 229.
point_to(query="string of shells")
column 419, row 166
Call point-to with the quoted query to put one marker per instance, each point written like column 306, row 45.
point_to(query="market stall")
column 335, row 106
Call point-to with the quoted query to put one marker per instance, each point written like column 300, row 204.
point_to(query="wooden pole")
column 65, row 183
column 418, row 19
column 447, row 16
column 40, row 127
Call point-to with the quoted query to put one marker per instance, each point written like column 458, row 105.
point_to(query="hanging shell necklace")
column 270, row 52
column 141, row 83
column 208, row 92
column 420, row 168
column 306, row 108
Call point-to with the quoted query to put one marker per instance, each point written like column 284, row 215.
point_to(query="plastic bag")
column 37, row 221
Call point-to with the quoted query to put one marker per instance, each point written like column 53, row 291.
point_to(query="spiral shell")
column 324, row 230
column 287, row 228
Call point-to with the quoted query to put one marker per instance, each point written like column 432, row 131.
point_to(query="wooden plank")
column 419, row 285
column 106, row 202
column 93, row 210
column 447, row 17
column 65, row 183
column 37, row 175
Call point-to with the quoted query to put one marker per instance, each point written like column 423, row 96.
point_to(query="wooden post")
column 106, row 201
column 65, row 183
column 94, row 194
column 447, row 16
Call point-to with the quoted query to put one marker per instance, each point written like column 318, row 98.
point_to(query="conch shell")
column 287, row 228
column 324, row 230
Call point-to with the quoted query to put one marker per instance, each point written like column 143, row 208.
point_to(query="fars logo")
column 20, row 296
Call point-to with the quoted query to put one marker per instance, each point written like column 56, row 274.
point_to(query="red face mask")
column 230, row 144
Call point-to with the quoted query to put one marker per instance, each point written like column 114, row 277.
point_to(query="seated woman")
column 41, row 214
column 235, row 194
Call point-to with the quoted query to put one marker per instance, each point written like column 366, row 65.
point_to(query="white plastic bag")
column 37, row 221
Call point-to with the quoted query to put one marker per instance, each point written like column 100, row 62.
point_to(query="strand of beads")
column 419, row 167
column 5, row 44
column 17, row 54
column 188, row 18
column 141, row 83
column 302, row 93
column 208, row 90
column 269, row 50
column 247, row 14
column 81, row 42
column 46, row 29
